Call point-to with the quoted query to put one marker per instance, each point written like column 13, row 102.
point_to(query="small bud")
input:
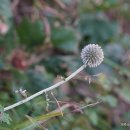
column 22, row 92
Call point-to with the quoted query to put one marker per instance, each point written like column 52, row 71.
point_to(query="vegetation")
column 40, row 45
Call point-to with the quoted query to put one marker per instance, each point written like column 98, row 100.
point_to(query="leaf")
column 7, row 40
column 37, row 80
column 31, row 33
column 111, row 100
column 4, row 117
column 114, row 51
column 4, row 128
column 110, row 2
column 4, row 96
column 97, row 5
column 93, row 117
column 125, row 41
column 72, row 62
column 65, row 39
column 5, row 10
column 124, row 93
column 57, row 62
column 103, row 124
column 28, row 124
column 97, row 28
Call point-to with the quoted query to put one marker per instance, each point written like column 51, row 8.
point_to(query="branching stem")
column 45, row 90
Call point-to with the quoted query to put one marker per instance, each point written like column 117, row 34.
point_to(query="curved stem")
column 45, row 90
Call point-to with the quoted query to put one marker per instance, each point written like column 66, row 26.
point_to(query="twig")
column 91, row 105
column 45, row 90
column 61, row 4
column 57, row 103
column 88, row 105
column 41, row 122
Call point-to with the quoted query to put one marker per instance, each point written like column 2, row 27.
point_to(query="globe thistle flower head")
column 92, row 55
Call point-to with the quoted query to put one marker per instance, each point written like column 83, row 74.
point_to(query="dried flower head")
column 92, row 55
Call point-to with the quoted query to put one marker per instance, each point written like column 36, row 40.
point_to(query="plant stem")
column 45, row 90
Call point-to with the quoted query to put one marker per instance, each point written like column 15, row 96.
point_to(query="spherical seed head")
column 92, row 55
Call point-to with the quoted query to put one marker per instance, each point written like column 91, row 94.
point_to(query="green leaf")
column 114, row 51
column 111, row 2
column 31, row 33
column 124, row 93
column 4, row 96
column 38, row 80
column 5, row 10
column 93, row 117
column 7, row 40
column 65, row 39
column 125, row 41
column 111, row 100
column 4, row 117
column 97, row 28
column 57, row 62
column 95, row 6
column 32, row 124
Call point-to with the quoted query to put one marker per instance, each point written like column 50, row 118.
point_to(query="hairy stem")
column 45, row 90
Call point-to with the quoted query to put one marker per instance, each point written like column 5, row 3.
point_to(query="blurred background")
column 40, row 44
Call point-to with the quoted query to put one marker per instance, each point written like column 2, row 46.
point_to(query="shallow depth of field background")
column 40, row 43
